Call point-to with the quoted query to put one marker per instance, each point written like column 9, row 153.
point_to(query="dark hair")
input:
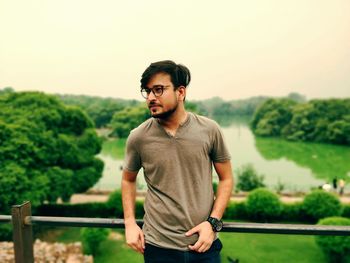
column 179, row 74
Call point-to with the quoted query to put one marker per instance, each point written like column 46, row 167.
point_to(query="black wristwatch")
column 216, row 224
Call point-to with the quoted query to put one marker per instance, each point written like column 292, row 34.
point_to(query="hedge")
column 286, row 212
column 96, row 210
column 337, row 248
column 263, row 205
column 320, row 204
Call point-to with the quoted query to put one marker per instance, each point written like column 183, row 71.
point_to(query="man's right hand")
column 134, row 237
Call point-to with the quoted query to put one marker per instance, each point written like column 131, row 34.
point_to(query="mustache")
column 152, row 103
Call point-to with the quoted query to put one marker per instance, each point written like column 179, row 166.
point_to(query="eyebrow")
column 158, row 86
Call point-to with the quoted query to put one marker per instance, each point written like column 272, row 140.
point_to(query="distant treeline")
column 121, row 115
column 317, row 120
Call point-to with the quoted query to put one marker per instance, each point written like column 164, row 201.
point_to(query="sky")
column 234, row 49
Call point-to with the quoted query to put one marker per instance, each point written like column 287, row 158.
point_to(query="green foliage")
column 316, row 120
column 100, row 110
column 263, row 205
column 272, row 117
column 320, row 204
column 127, row 119
column 96, row 209
column 47, row 150
column 115, row 202
column 337, row 248
column 220, row 109
column 248, row 179
column 289, row 212
column 292, row 212
column 215, row 187
column 6, row 90
column 346, row 210
column 236, row 211
column 92, row 237
column 296, row 97
column 6, row 232
column 339, row 131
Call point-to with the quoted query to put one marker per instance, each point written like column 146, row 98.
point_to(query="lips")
column 153, row 106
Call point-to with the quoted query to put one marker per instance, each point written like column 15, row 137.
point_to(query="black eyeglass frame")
column 157, row 91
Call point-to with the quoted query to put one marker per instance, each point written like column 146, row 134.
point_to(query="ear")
column 182, row 93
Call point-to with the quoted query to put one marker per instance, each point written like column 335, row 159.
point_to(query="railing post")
column 22, row 234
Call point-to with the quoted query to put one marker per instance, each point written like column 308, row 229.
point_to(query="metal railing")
column 22, row 221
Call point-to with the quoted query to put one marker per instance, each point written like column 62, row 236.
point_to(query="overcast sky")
column 234, row 49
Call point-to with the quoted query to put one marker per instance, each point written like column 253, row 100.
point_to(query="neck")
column 175, row 120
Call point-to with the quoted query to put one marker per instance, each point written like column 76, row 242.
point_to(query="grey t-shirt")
column 178, row 172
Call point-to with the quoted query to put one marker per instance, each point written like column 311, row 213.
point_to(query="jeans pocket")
column 217, row 245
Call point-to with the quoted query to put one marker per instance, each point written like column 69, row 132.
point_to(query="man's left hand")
column 206, row 237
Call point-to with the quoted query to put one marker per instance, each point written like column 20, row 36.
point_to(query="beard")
column 166, row 114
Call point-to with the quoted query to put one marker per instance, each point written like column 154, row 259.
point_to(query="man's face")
column 163, row 106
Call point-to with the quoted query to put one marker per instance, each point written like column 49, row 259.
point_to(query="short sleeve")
column 219, row 152
column 132, row 161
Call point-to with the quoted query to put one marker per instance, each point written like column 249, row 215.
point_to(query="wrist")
column 215, row 223
column 129, row 221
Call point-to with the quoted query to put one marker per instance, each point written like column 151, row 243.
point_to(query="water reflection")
column 325, row 161
column 299, row 166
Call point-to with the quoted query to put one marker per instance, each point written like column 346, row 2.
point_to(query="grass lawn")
column 249, row 248
column 270, row 248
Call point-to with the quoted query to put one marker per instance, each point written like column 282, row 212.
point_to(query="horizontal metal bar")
column 5, row 219
column 228, row 227
column 77, row 221
column 290, row 229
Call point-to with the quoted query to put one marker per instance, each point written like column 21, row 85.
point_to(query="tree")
column 47, row 150
column 296, row 97
column 320, row 121
column 317, row 120
column 6, row 90
column 271, row 118
column 100, row 110
column 127, row 119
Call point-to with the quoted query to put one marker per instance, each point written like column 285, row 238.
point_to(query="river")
column 298, row 166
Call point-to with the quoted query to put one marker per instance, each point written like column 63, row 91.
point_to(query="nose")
column 151, row 96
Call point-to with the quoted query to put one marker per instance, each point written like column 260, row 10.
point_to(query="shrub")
column 92, row 237
column 337, row 248
column 248, row 179
column 115, row 203
column 6, row 232
column 320, row 204
column 235, row 211
column 263, row 205
column 139, row 213
column 77, row 210
column 346, row 210
column 292, row 212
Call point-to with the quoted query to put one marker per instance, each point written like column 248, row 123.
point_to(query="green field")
column 246, row 247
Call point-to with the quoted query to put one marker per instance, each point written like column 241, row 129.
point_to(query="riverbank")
column 102, row 196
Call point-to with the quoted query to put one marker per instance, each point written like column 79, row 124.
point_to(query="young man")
column 177, row 150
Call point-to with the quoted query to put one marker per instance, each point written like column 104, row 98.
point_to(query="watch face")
column 216, row 223
column 218, row 226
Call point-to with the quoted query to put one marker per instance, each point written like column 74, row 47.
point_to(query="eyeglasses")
column 157, row 90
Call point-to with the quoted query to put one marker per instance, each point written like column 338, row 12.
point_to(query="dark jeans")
column 155, row 254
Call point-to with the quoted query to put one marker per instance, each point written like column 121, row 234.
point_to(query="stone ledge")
column 48, row 253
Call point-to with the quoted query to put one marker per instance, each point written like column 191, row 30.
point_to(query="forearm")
column 129, row 198
column 223, row 195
